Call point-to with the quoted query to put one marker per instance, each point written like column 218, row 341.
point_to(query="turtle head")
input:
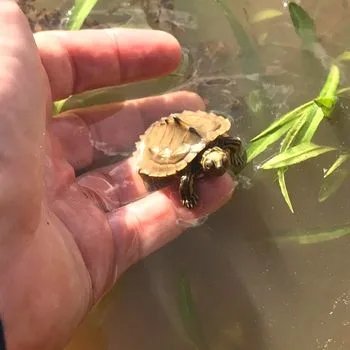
column 215, row 161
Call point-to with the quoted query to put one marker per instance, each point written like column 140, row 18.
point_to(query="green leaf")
column 303, row 23
column 256, row 147
column 315, row 115
column 300, row 125
column 322, row 106
column 248, row 48
column 345, row 56
column 326, row 104
column 301, row 130
column 293, row 131
column 120, row 93
column 265, row 15
column 332, row 183
column 313, row 120
column 286, row 144
column 339, row 161
column 189, row 315
column 285, row 119
column 283, row 187
column 313, row 236
column 57, row 106
column 296, row 154
column 330, row 87
column 79, row 13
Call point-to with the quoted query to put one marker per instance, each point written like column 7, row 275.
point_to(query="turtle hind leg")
column 189, row 197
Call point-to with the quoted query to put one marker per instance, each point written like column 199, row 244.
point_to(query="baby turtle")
column 189, row 145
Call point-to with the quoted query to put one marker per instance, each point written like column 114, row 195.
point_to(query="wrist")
column 45, row 291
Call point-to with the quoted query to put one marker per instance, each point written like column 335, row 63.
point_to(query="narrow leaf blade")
column 296, row 154
column 283, row 187
column 313, row 236
column 189, row 314
column 339, row 161
column 332, row 183
column 345, row 56
column 285, row 119
column 265, row 15
column 293, row 131
column 256, row 147
column 313, row 120
column 247, row 46
column 330, row 87
column 79, row 13
column 302, row 22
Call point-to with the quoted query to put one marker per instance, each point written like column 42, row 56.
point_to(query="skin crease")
column 64, row 241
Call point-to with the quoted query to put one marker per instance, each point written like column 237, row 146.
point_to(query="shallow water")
column 251, row 290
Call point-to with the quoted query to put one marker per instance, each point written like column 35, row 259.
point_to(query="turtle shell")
column 172, row 142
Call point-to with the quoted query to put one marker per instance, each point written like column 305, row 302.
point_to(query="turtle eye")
column 208, row 164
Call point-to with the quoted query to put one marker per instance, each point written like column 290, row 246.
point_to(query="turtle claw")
column 190, row 202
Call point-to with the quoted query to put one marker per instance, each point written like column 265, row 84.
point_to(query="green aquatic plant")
column 80, row 11
column 248, row 47
column 274, row 132
column 343, row 57
column 301, row 123
column 189, row 314
column 75, row 19
column 312, row 236
column 295, row 155
column 298, row 128
column 331, row 184
column 303, row 23
column 265, row 15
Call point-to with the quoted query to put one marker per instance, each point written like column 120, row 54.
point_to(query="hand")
column 65, row 240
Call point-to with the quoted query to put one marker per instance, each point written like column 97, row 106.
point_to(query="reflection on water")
column 250, row 291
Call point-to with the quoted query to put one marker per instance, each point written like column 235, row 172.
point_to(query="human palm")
column 65, row 240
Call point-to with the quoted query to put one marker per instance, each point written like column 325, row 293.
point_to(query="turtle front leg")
column 187, row 192
column 237, row 153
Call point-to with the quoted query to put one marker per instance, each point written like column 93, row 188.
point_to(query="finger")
column 146, row 225
column 22, row 127
column 76, row 61
column 92, row 134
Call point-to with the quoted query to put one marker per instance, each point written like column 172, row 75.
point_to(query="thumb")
column 23, row 108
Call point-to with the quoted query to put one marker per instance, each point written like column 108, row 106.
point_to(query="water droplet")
column 194, row 222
